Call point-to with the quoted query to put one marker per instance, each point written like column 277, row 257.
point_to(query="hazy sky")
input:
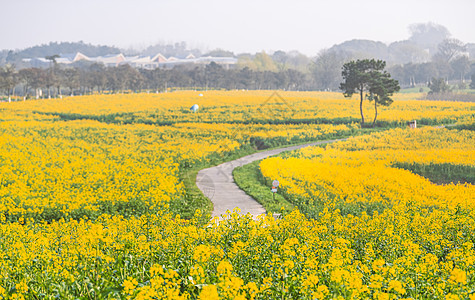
column 239, row 26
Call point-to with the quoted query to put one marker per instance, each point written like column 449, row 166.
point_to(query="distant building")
column 142, row 62
column 112, row 60
column 66, row 59
column 171, row 62
column 71, row 58
column 159, row 58
column 145, row 62
column 37, row 62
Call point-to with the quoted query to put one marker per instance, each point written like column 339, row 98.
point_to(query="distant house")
column 79, row 56
column 70, row 58
column 171, row 62
column 66, row 59
column 37, row 62
column 159, row 58
column 111, row 60
column 226, row 62
column 144, row 62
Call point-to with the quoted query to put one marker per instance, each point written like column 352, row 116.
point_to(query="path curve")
column 217, row 183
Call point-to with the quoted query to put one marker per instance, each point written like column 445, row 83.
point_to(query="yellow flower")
column 129, row 285
column 382, row 296
column 378, row 264
column 321, row 292
column 397, row 286
column 376, row 281
column 16, row 296
column 288, row 264
column 209, row 292
column 252, row 289
column 224, row 268
column 458, row 276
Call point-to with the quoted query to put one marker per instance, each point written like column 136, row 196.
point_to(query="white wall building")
column 145, row 62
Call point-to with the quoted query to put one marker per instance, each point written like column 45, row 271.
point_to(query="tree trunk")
column 25, row 92
column 375, row 111
column 361, row 107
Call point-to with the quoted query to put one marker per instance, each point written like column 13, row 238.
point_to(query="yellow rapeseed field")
column 364, row 170
column 243, row 106
column 89, row 187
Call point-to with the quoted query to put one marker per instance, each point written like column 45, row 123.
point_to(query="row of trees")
column 368, row 78
column 325, row 74
column 365, row 77
column 458, row 69
column 451, row 62
column 56, row 81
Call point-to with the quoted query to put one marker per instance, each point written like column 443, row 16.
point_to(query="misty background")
column 243, row 26
column 297, row 45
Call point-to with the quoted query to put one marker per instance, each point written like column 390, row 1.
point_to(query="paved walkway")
column 217, row 183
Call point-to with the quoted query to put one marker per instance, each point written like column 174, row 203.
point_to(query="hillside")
column 60, row 48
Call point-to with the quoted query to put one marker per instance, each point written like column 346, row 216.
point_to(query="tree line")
column 324, row 73
column 450, row 63
column 57, row 81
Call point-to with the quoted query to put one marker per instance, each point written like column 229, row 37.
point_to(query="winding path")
column 217, row 183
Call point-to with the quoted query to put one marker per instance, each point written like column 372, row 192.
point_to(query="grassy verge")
column 248, row 179
column 194, row 198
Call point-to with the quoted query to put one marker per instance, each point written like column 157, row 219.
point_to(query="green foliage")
column 260, row 62
column 63, row 47
column 248, row 177
column 367, row 78
column 382, row 87
column 441, row 173
column 357, row 75
column 438, row 85
column 250, row 180
column 468, row 126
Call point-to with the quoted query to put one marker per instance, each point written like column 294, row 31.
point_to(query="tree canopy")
column 438, row 85
column 368, row 78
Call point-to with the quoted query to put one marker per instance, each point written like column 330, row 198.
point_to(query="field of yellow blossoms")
column 92, row 187
column 392, row 169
